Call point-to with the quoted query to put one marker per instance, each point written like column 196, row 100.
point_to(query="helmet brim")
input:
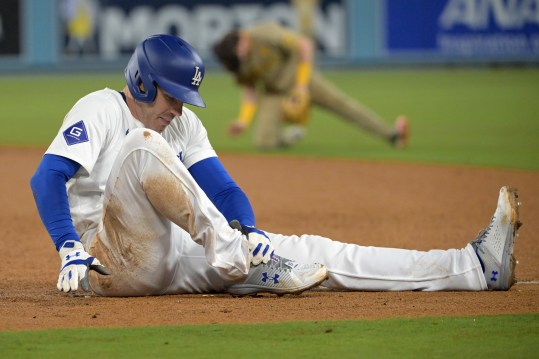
column 181, row 93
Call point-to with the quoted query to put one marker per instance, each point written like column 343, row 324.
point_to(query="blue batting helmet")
column 169, row 62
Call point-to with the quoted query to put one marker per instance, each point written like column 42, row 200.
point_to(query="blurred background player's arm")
column 297, row 103
column 248, row 98
column 305, row 64
column 306, row 12
column 247, row 111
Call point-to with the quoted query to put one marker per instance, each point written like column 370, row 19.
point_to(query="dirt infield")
column 370, row 203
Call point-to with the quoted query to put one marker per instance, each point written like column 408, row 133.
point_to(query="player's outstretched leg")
column 494, row 244
column 280, row 276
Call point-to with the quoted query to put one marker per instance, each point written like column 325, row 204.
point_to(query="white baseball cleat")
column 280, row 276
column 494, row 245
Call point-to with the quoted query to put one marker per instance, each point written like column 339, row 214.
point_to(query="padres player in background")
column 137, row 203
column 281, row 62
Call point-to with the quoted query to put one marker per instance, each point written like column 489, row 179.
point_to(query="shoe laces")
column 278, row 262
column 481, row 235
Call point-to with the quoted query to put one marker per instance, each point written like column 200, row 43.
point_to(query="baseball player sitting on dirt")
column 274, row 68
column 137, row 203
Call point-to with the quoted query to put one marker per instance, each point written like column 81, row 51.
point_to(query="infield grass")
column 471, row 116
column 509, row 336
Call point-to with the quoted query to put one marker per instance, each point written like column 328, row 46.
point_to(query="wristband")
column 303, row 74
column 247, row 112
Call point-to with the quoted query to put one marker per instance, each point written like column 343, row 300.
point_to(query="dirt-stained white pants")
column 160, row 234
column 152, row 211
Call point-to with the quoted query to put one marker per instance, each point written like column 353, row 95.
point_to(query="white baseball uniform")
column 139, row 211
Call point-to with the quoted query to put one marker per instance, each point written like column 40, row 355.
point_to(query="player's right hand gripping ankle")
column 76, row 263
column 260, row 248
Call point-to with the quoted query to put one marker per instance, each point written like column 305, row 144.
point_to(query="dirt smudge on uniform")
column 169, row 198
column 147, row 135
column 127, row 251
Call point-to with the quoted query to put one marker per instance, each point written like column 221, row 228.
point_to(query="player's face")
column 160, row 113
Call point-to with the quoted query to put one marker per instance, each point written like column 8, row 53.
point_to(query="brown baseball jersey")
column 272, row 57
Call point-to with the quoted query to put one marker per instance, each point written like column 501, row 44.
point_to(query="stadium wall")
column 100, row 34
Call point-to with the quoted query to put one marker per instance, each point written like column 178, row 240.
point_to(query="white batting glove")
column 76, row 263
column 260, row 248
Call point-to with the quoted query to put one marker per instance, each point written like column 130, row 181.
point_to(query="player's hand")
column 260, row 248
column 236, row 128
column 76, row 263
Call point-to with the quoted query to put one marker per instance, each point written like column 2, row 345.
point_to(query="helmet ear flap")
column 143, row 90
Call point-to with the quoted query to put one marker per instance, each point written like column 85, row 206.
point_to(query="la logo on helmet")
column 197, row 78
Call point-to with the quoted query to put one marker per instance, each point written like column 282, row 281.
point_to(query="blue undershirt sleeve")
column 223, row 191
column 49, row 189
